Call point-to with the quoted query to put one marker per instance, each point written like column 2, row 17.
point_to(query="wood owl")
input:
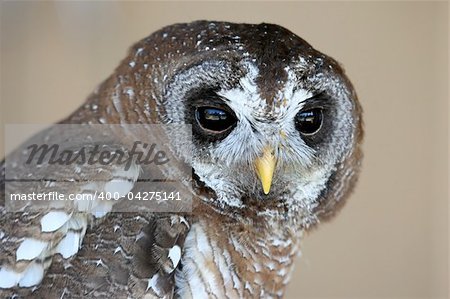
column 276, row 136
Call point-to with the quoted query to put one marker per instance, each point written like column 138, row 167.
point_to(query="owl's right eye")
column 215, row 120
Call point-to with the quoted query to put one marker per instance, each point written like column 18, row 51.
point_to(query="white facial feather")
column 243, row 145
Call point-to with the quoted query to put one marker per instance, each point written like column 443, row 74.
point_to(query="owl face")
column 273, row 119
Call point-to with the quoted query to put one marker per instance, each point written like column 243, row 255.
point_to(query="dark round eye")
column 309, row 121
column 214, row 119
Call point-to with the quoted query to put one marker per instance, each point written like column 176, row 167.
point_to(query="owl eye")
column 214, row 119
column 309, row 121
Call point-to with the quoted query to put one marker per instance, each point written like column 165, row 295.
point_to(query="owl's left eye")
column 308, row 122
column 214, row 119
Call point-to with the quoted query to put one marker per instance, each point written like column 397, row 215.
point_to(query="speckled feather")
column 237, row 242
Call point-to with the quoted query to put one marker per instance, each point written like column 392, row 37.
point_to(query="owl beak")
column 265, row 167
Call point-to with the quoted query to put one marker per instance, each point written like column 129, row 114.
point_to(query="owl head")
column 276, row 124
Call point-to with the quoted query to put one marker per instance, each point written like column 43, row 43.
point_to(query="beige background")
column 390, row 241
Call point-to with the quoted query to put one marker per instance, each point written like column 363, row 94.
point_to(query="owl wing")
column 33, row 231
column 125, row 256
column 72, row 249
column 128, row 256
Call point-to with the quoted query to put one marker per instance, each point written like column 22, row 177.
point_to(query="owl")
column 276, row 132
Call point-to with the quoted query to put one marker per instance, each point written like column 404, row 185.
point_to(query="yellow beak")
column 265, row 167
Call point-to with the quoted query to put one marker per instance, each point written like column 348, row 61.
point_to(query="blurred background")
column 391, row 239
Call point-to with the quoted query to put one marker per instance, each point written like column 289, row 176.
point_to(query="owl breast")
column 232, row 266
